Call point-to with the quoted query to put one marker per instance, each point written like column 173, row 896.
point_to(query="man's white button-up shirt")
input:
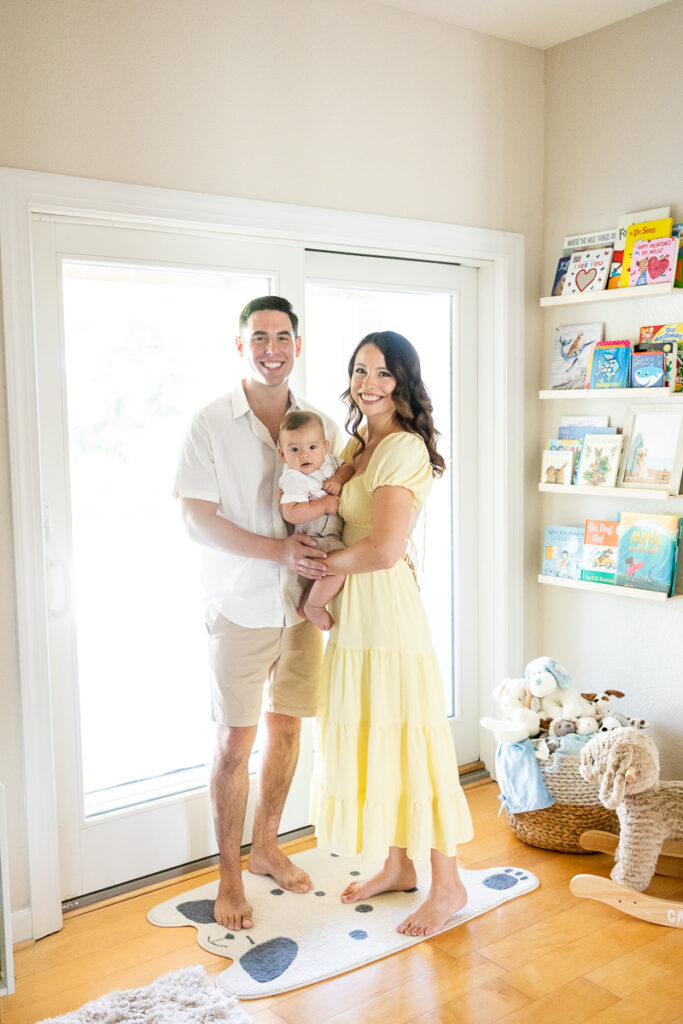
column 228, row 457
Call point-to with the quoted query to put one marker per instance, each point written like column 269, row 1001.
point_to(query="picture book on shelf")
column 643, row 232
column 560, row 275
column 557, row 466
column 653, row 262
column 600, row 542
column 610, row 364
column 584, row 421
column 599, row 461
column 587, row 271
column 648, row 369
column 648, row 551
column 614, row 279
column 562, row 551
column 639, row 217
column 677, row 232
column 668, row 338
column 572, row 345
column 579, row 432
column 591, row 239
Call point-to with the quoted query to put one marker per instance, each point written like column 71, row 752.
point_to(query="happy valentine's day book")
column 562, row 551
column 653, row 262
column 600, row 543
column 587, row 271
column 571, row 351
column 645, row 231
column 647, row 553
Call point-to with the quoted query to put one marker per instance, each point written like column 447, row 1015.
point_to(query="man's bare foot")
column 320, row 617
column 391, row 878
column 231, row 909
column 274, row 862
column 431, row 916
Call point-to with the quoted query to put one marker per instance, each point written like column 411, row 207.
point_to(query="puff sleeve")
column 401, row 460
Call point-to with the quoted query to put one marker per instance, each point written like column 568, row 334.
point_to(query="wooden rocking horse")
column 624, row 763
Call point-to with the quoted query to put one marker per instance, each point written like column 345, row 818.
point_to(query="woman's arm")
column 392, row 509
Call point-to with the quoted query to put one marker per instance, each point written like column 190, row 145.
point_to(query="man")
column 227, row 481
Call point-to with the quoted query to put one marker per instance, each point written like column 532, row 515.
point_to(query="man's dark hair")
column 270, row 302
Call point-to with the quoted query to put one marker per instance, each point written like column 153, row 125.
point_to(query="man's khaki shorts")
column 267, row 668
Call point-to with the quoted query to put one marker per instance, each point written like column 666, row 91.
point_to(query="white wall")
column 332, row 103
column 613, row 144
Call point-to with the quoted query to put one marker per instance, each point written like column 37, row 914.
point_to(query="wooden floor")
column 546, row 957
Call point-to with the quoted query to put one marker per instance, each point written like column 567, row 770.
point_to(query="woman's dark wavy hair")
column 410, row 396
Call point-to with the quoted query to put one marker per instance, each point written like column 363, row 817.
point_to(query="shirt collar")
column 240, row 405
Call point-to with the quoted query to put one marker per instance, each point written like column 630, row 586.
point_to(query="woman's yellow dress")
column 386, row 773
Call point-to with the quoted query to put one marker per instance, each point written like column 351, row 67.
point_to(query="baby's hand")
column 330, row 504
column 332, row 485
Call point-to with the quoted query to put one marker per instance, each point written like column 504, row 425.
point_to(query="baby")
column 310, row 488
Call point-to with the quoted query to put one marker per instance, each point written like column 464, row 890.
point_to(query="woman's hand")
column 302, row 555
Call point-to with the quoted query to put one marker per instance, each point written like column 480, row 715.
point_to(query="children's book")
column 614, row 279
column 643, row 232
column 600, row 542
column 557, row 466
column 570, row 354
column 653, row 262
column 668, row 337
column 599, row 461
column 639, row 217
column 579, row 432
column 648, row 369
column 584, row 421
column 610, row 364
column 648, row 551
column 590, row 239
column 677, row 232
column 562, row 551
column 587, row 271
column 560, row 275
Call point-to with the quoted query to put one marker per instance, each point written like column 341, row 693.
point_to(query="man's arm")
column 298, row 552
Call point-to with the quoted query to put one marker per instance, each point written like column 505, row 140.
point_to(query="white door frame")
column 498, row 254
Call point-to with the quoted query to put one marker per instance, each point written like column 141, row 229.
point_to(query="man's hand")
column 302, row 555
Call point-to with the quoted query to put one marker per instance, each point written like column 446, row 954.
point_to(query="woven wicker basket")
column 576, row 809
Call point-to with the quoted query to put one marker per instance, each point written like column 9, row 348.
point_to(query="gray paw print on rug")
column 504, row 879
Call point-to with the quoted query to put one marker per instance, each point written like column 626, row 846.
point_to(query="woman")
column 386, row 782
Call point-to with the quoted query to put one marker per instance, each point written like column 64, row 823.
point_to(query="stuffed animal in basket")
column 624, row 763
column 556, row 698
column 607, row 717
column 520, row 722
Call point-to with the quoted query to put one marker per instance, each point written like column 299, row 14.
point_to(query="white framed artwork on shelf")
column 653, row 451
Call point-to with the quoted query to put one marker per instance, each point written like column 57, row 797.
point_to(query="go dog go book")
column 600, row 543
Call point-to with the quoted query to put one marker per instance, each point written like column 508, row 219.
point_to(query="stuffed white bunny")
column 520, row 721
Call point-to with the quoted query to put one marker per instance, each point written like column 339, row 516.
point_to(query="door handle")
column 59, row 566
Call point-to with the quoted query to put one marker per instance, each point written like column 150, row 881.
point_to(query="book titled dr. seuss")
column 600, row 542
column 647, row 553
column 562, row 551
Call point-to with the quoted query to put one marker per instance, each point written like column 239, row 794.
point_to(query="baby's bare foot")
column 272, row 861
column 320, row 617
column 389, row 879
column 432, row 915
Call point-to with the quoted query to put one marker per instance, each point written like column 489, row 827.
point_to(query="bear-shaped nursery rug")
column 299, row 939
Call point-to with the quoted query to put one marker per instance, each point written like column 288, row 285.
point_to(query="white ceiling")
column 539, row 23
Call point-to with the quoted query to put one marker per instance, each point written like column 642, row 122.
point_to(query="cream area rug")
column 299, row 939
column 181, row 997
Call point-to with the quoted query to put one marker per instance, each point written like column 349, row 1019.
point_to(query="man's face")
column 268, row 344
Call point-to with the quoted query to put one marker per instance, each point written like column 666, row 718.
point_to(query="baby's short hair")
column 297, row 418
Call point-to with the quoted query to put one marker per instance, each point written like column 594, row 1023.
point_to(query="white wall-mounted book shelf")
column 642, row 493
column 635, row 394
column 609, row 295
column 608, row 588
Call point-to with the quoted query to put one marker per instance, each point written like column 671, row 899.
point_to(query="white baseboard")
column 22, row 925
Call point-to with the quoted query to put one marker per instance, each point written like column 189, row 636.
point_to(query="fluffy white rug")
column 181, row 997
column 298, row 939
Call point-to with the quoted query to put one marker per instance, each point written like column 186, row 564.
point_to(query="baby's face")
column 304, row 449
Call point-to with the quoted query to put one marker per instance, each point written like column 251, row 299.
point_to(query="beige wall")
column 613, row 143
column 331, row 103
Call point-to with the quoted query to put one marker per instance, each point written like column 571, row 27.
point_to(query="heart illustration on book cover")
column 657, row 267
column 584, row 278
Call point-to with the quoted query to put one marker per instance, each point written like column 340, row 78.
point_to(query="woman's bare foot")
column 431, row 916
column 231, row 909
column 320, row 617
column 273, row 862
column 392, row 878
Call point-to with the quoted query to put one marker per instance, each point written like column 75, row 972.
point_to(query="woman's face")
column 371, row 383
